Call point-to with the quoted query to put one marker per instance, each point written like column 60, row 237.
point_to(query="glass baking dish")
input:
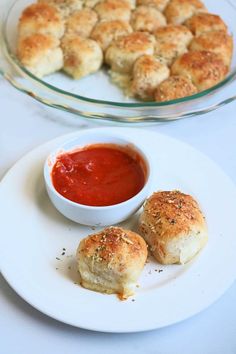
column 95, row 97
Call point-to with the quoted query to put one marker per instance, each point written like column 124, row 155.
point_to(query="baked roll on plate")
column 111, row 261
column 174, row 227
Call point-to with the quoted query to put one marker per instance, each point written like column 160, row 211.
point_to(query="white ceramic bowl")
column 92, row 215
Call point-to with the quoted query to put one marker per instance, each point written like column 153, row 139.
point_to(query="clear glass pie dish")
column 95, row 97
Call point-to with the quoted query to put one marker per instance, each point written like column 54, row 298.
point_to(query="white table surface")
column 23, row 330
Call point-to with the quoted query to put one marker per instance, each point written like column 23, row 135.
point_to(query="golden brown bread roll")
column 41, row 19
column 111, row 10
column 111, row 261
column 205, row 69
column 205, row 22
column 81, row 22
column 178, row 11
column 132, row 3
column 174, row 34
column 148, row 73
column 82, row 56
column 173, row 226
column 91, row 3
column 147, row 18
column 158, row 4
column 122, row 54
column 66, row 7
column 40, row 54
column 218, row 42
column 172, row 41
column 173, row 88
column 106, row 32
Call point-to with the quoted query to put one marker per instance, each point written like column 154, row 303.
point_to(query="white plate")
column 33, row 234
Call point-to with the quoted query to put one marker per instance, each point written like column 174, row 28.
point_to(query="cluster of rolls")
column 156, row 49
column 171, row 224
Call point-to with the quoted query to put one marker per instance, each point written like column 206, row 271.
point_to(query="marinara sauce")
column 98, row 175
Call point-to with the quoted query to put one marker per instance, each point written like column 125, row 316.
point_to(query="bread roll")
column 148, row 73
column 218, row 42
column 178, row 11
column 171, row 42
column 41, row 19
column 91, row 3
column 205, row 22
column 111, row 261
column 105, row 32
column 66, row 7
column 122, row 54
column 205, row 69
column 40, row 54
column 178, row 34
column 173, row 88
column 111, row 10
column 158, row 4
column 173, row 226
column 82, row 56
column 147, row 18
column 81, row 22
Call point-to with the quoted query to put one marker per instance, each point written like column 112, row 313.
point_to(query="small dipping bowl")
column 98, row 215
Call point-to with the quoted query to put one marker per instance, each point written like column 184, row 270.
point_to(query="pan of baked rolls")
column 122, row 60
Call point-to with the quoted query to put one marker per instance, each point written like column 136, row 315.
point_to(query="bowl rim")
column 57, row 151
column 230, row 77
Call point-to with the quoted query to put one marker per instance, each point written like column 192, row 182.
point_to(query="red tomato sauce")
column 99, row 175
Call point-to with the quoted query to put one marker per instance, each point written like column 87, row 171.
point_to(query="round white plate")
column 34, row 234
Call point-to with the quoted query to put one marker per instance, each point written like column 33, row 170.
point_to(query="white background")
column 23, row 330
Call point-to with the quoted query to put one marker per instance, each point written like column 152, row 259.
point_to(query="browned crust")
column 178, row 8
column 32, row 46
column 147, row 64
column 114, row 243
column 175, row 87
column 170, row 213
column 205, row 69
column 218, row 42
column 214, row 39
column 204, row 22
column 147, row 18
column 158, row 4
column 82, row 22
column 171, row 31
column 105, row 31
column 40, row 12
column 136, row 41
column 120, row 9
